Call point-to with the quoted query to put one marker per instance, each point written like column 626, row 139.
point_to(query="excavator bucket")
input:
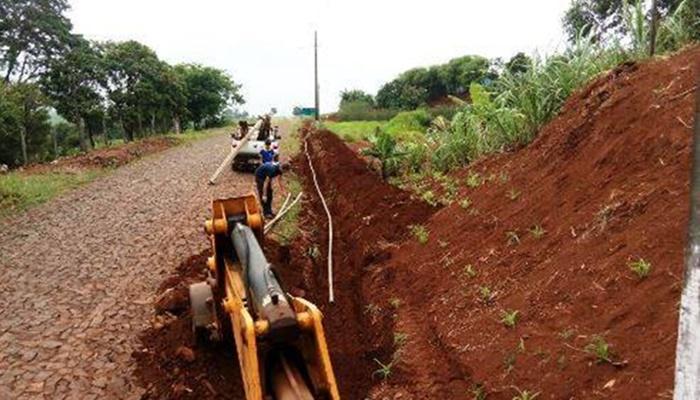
column 279, row 339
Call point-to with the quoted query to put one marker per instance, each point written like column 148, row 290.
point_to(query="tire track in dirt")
column 77, row 274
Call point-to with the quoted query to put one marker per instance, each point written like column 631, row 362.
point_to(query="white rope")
column 282, row 211
column 330, row 224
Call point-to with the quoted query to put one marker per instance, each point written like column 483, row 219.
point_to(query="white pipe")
column 330, row 224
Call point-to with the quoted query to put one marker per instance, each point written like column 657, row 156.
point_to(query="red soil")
column 369, row 218
column 111, row 157
column 608, row 180
column 170, row 365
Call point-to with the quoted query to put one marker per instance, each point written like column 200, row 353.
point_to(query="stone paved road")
column 77, row 274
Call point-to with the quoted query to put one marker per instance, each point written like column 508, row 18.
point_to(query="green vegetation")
column 486, row 294
column 641, row 267
column 372, row 309
column 356, row 130
column 509, row 318
column 384, row 370
column 61, row 93
column 469, row 271
column 400, row 339
column 420, row 233
column 384, row 148
column 513, row 238
column 600, row 349
column 18, row 190
column 509, row 102
column 525, row 395
column 537, row 231
column 478, row 392
column 395, row 302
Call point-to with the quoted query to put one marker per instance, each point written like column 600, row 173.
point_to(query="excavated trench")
column 369, row 218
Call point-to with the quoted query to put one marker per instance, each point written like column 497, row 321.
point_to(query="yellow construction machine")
column 279, row 338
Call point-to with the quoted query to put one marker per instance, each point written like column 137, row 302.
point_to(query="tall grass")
column 522, row 103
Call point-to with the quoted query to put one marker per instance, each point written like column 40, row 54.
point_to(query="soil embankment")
column 607, row 182
column 551, row 233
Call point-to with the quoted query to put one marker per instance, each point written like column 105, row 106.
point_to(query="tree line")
column 104, row 90
column 607, row 22
column 425, row 86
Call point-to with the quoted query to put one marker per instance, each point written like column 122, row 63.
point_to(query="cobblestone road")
column 77, row 274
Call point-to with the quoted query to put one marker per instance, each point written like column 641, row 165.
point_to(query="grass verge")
column 20, row 191
column 353, row 131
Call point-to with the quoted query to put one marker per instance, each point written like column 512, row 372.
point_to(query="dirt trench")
column 370, row 217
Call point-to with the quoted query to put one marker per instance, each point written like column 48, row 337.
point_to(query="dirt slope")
column 608, row 182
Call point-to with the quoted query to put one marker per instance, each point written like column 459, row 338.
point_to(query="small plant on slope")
column 420, row 233
column 469, row 271
column 513, row 237
column 384, row 370
column 537, row 231
column 641, row 267
column 513, row 194
column 486, row 294
column 384, row 148
column 394, row 302
column 600, row 349
column 509, row 318
column 525, row 395
column 473, row 180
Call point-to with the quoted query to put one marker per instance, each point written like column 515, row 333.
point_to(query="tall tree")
column 73, row 83
column 209, row 92
column 604, row 18
column 355, row 96
column 130, row 66
column 32, row 32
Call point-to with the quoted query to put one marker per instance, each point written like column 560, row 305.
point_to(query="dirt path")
column 77, row 274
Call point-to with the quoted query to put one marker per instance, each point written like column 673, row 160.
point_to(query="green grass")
column 641, row 267
column 19, row 191
column 354, row 131
column 192, row 135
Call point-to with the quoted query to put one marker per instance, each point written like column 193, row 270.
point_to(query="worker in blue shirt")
column 263, row 180
column 268, row 154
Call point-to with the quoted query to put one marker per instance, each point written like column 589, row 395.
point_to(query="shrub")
column 409, row 121
column 383, row 147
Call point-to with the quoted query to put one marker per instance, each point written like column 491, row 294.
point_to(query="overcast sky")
column 267, row 45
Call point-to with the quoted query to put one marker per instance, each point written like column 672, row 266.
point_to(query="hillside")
column 608, row 182
column 551, row 233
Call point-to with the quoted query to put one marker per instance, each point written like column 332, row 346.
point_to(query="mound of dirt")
column 170, row 365
column 553, row 233
column 110, row 157
column 369, row 218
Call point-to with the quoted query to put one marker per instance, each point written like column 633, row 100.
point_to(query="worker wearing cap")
column 263, row 179
column 267, row 154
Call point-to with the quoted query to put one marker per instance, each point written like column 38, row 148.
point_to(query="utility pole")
column 318, row 112
column 687, row 382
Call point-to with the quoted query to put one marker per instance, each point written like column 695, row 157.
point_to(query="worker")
column 263, row 180
column 267, row 154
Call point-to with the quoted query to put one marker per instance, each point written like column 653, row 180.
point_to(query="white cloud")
column 267, row 45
